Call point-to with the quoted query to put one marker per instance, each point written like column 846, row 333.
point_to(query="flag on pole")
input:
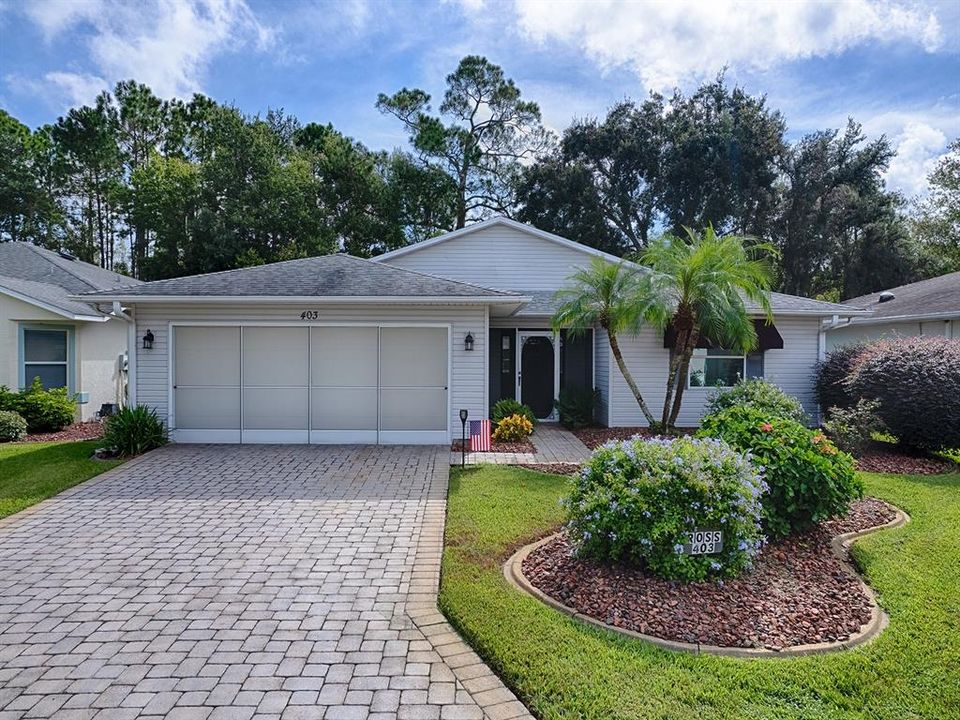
column 479, row 436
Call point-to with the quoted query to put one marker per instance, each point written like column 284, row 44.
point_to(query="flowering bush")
column 640, row 500
column 760, row 394
column 809, row 480
column 513, row 428
column 12, row 426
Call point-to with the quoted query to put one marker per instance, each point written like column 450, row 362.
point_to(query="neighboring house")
column 340, row 349
column 46, row 332
column 928, row 307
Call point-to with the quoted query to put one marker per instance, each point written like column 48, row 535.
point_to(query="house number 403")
column 310, row 315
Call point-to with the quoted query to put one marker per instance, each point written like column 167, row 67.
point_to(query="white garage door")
column 356, row 384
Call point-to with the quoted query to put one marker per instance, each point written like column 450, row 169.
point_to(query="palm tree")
column 609, row 295
column 698, row 286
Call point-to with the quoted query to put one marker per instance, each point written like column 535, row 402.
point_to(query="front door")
column 537, row 372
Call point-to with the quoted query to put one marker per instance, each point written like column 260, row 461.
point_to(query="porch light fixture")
column 468, row 342
column 148, row 340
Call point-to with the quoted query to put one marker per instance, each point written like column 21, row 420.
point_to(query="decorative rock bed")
column 883, row 460
column 801, row 596
column 90, row 430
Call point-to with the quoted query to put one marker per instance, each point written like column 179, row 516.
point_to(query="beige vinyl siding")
column 497, row 257
column 468, row 381
column 934, row 327
column 792, row 369
column 849, row 334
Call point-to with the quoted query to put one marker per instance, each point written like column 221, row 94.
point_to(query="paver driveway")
column 239, row 582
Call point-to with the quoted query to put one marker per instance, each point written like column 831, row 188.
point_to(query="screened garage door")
column 320, row 384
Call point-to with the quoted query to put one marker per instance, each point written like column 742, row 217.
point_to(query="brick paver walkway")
column 553, row 444
column 226, row 582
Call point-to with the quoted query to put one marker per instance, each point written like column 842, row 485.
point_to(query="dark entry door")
column 537, row 375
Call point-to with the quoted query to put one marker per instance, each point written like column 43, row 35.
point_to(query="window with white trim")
column 45, row 355
column 716, row 367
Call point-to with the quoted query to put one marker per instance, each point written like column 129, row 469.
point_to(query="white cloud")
column 673, row 42
column 167, row 44
column 79, row 89
column 919, row 147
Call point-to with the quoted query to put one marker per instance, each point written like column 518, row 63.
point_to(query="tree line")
column 160, row 188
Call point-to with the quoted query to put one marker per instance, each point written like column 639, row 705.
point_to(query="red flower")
column 766, row 427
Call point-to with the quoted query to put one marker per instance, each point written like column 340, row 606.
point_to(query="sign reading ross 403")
column 703, row 542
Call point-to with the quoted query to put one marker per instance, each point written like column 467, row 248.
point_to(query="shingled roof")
column 49, row 280
column 338, row 276
column 936, row 297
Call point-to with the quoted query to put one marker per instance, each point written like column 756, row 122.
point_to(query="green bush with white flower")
column 639, row 501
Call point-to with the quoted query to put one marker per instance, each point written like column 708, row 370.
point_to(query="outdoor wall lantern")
column 468, row 342
column 148, row 340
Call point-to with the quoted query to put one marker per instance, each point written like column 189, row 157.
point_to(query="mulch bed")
column 551, row 468
column 91, row 430
column 798, row 593
column 594, row 437
column 886, row 460
column 524, row 446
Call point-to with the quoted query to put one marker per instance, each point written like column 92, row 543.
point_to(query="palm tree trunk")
column 618, row 356
column 686, row 354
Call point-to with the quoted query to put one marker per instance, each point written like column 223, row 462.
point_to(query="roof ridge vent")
column 886, row 296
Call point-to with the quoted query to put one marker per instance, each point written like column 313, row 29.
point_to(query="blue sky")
column 892, row 65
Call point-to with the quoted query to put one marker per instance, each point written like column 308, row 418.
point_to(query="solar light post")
column 463, row 438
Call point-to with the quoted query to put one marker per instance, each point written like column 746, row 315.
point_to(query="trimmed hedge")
column 832, row 373
column 638, row 501
column 917, row 383
column 760, row 394
column 808, row 479
column 44, row 410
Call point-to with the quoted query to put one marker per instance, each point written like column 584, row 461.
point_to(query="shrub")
column 577, row 406
column 852, row 428
column 638, row 501
column 513, row 428
column 808, row 479
column 507, row 407
column 45, row 410
column 832, row 373
column 760, row 394
column 133, row 431
column 917, row 382
column 12, row 426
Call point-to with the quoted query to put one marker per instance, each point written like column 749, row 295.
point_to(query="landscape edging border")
column 513, row 572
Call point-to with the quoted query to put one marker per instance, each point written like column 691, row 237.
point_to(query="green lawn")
column 563, row 669
column 33, row 472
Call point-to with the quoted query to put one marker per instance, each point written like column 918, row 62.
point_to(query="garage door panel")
column 275, row 356
column 413, row 409
column 343, row 356
column 274, row 409
column 413, row 357
column 207, row 408
column 343, row 408
column 207, row 356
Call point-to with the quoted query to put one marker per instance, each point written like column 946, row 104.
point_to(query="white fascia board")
column 507, row 222
column 918, row 317
column 52, row 308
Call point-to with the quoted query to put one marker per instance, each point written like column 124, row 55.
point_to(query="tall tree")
column 697, row 285
column 608, row 295
column 840, row 232
column 482, row 134
column 29, row 208
column 936, row 218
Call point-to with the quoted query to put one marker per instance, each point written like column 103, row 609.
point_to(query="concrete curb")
column 513, row 572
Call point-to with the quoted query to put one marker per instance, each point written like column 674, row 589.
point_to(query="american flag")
column 479, row 436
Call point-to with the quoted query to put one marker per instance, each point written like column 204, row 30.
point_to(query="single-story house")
column 47, row 332
column 389, row 350
column 928, row 307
